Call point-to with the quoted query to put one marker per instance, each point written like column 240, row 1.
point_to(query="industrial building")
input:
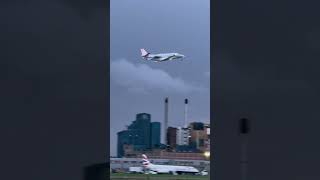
column 207, row 141
column 183, row 136
column 198, row 135
column 155, row 134
column 172, row 137
column 142, row 134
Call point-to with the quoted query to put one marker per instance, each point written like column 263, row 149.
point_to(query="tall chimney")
column 185, row 113
column 166, row 104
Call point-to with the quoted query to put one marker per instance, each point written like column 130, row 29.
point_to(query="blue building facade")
column 155, row 134
column 142, row 134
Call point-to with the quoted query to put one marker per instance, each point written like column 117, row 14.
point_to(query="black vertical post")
column 244, row 128
column 97, row 172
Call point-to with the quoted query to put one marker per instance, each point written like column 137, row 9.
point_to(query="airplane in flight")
column 167, row 169
column 160, row 57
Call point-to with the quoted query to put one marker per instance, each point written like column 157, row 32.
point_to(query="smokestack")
column 166, row 104
column 185, row 113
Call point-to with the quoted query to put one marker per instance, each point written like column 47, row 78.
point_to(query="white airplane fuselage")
column 164, row 57
column 172, row 169
column 160, row 57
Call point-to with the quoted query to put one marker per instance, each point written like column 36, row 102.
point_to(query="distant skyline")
column 138, row 86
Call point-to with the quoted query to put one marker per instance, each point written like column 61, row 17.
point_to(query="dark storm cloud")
column 53, row 89
column 265, row 67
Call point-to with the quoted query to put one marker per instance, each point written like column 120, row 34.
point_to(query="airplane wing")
column 154, row 57
column 161, row 58
column 167, row 58
column 158, row 58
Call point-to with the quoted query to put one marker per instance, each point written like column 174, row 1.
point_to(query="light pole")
column 207, row 154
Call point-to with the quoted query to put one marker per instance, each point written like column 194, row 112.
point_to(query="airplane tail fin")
column 144, row 53
column 145, row 161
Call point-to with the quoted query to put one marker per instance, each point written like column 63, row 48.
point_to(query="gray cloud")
column 144, row 79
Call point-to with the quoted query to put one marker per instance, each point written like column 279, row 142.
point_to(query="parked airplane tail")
column 145, row 161
column 144, row 53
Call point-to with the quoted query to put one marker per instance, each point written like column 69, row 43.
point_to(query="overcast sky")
column 137, row 86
